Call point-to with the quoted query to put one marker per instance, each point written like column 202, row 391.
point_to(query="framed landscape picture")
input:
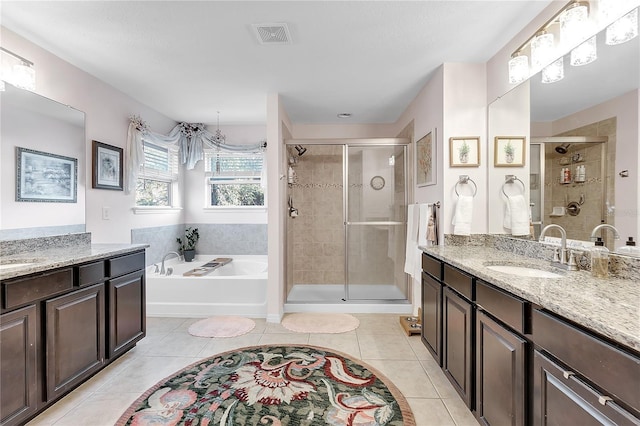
column 45, row 177
column 425, row 159
column 107, row 166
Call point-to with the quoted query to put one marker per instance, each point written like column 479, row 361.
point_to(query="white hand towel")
column 463, row 215
column 519, row 215
column 506, row 222
column 423, row 221
column 412, row 239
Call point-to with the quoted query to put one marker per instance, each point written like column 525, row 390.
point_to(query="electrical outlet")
column 106, row 213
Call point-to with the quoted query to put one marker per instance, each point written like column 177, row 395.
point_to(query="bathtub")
column 237, row 288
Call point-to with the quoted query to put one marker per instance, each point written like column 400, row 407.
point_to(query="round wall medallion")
column 377, row 182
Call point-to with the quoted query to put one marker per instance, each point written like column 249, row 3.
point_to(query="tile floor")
column 379, row 341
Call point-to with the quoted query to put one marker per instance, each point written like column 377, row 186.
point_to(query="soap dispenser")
column 599, row 260
column 629, row 249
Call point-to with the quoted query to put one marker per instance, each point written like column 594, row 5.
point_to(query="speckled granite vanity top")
column 610, row 307
column 51, row 258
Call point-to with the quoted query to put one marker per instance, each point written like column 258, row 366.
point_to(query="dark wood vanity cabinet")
column 514, row 363
column 60, row 327
column 19, row 364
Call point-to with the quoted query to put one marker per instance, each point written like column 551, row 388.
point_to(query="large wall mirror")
column 55, row 134
column 586, row 123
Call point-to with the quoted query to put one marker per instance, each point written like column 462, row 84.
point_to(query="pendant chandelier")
column 218, row 137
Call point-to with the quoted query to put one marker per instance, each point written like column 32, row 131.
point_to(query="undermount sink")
column 524, row 271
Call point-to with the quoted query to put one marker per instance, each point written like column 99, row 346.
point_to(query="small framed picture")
column 464, row 151
column 107, row 166
column 509, row 151
column 45, row 177
column 425, row 159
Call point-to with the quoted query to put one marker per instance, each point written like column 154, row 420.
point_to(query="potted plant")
column 188, row 246
column 509, row 152
column 464, row 152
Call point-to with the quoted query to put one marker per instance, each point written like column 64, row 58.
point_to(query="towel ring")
column 463, row 180
column 512, row 179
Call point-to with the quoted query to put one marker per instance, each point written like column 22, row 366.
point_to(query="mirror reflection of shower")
column 301, row 150
column 563, row 149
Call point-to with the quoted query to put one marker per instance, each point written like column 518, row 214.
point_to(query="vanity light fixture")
column 17, row 70
column 577, row 26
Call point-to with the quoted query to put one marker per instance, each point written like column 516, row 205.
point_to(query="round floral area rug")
column 274, row 386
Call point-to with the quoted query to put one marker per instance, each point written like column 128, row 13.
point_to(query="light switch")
column 106, row 212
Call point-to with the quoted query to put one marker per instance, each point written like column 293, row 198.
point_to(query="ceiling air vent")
column 272, row 33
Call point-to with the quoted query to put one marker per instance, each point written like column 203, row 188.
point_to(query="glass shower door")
column 375, row 205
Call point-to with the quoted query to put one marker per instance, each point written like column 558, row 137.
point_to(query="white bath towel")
column 463, row 215
column 519, row 215
column 412, row 238
column 423, row 218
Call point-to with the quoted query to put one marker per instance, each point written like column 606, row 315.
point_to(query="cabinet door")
column 500, row 374
column 126, row 312
column 75, row 326
column 18, row 365
column 432, row 316
column 561, row 398
column 457, row 336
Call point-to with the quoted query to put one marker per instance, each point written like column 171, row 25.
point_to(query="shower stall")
column 347, row 221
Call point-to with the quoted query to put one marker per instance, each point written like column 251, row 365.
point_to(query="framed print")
column 509, row 151
column 425, row 159
column 45, row 177
column 464, row 151
column 107, row 166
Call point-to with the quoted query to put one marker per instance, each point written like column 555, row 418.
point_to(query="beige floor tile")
column 408, row 376
column 271, row 328
column 378, row 324
column 385, row 346
column 344, row 342
column 178, row 344
column 216, row 346
column 430, row 412
column 460, row 412
column 261, row 326
column 284, row 339
column 157, row 325
column 439, row 380
column 419, row 348
column 60, row 408
column 98, row 410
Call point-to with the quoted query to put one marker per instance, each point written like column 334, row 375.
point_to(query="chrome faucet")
column 616, row 234
column 162, row 270
column 563, row 241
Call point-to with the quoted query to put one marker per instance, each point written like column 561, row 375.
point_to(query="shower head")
column 562, row 149
column 301, row 150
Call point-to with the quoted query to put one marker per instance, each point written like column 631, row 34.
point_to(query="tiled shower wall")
column 316, row 237
column 556, row 194
column 217, row 239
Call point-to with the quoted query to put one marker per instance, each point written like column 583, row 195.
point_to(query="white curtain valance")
column 190, row 139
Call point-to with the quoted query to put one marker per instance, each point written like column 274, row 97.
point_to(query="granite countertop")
column 51, row 258
column 610, row 306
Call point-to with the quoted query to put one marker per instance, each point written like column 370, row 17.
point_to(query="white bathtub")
column 238, row 288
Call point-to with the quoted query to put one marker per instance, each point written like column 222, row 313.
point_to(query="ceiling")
column 190, row 59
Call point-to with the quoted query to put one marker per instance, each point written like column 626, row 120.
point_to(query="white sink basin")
column 14, row 265
column 523, row 271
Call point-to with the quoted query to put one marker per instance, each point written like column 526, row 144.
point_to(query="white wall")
column 342, row 131
column 107, row 111
column 195, row 195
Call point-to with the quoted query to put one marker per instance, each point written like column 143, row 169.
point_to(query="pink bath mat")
column 222, row 326
column 320, row 323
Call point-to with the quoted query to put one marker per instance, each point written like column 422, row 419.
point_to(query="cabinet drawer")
column 459, row 281
column 432, row 266
column 27, row 290
column 507, row 308
column 615, row 371
column 91, row 273
column 125, row 264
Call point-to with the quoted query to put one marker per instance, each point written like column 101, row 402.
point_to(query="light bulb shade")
column 624, row 29
column 24, row 77
column 585, row 53
column 574, row 25
column 542, row 50
column 553, row 72
column 518, row 69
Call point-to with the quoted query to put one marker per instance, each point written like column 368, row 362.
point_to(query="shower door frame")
column 361, row 142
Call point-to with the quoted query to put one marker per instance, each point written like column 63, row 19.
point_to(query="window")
column 233, row 179
column 157, row 177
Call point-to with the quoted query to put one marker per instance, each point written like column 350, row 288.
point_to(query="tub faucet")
column 563, row 241
column 616, row 234
column 162, row 270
